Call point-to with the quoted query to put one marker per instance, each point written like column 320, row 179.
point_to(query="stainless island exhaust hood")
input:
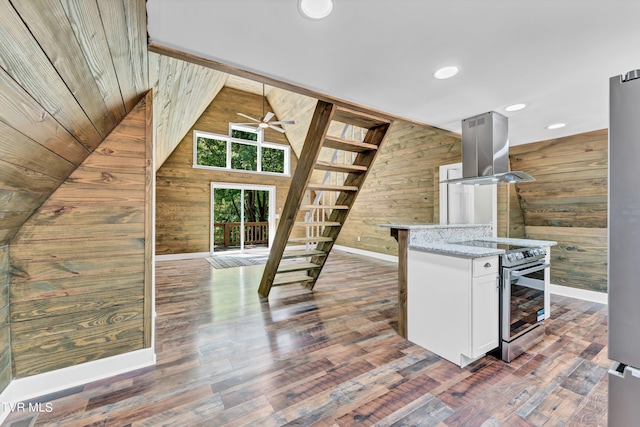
column 485, row 152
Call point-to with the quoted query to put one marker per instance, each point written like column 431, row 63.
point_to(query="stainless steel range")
column 522, row 301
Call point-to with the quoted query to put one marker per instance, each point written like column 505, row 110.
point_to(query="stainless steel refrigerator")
column 624, row 248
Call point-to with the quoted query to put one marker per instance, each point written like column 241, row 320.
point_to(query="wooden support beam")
column 310, row 151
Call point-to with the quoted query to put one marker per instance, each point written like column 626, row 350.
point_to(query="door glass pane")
column 226, row 218
column 211, row 152
column 272, row 160
column 527, row 301
column 244, row 156
column 256, row 216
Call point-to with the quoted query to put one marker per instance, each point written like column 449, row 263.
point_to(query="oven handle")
column 518, row 273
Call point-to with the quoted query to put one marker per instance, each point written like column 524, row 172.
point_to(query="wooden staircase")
column 308, row 263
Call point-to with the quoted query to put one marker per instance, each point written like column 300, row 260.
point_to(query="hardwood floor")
column 332, row 357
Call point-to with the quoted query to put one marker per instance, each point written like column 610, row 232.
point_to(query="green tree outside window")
column 272, row 160
column 212, row 152
column 244, row 157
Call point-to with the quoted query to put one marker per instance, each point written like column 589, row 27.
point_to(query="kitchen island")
column 445, row 280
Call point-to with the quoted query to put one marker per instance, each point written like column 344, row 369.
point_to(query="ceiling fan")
column 263, row 122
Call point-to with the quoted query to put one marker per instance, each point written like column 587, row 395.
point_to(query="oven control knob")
column 519, row 255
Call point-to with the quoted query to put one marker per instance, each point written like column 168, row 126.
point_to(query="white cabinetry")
column 452, row 305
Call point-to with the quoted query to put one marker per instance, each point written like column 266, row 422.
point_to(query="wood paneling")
column 125, row 28
column 79, row 267
column 69, row 72
column 22, row 57
column 5, row 342
column 401, row 187
column 580, row 259
column 183, row 194
column 181, row 92
column 568, row 203
column 571, row 181
column 510, row 218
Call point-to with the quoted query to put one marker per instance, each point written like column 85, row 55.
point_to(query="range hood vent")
column 485, row 152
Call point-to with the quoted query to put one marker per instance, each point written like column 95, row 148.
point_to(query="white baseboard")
column 370, row 254
column 172, row 257
column 23, row 389
column 583, row 294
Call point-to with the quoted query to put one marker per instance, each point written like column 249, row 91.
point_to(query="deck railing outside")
column 228, row 233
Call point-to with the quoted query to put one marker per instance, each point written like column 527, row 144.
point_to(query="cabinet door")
column 485, row 314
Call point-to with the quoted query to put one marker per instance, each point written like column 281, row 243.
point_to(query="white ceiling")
column 554, row 55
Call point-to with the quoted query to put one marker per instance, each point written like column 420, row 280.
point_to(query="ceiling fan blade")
column 277, row 128
column 268, row 116
column 284, row 122
column 248, row 117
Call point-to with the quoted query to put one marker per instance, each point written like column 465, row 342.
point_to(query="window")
column 272, row 159
column 237, row 132
column 211, row 152
column 244, row 157
column 243, row 150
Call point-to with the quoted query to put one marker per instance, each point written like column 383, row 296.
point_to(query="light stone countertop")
column 430, row 226
column 460, row 250
column 448, row 239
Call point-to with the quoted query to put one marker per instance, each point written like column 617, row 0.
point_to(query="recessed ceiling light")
column 556, row 126
column 446, row 72
column 315, row 9
column 515, row 107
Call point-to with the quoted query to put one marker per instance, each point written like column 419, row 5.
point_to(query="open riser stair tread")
column 291, row 279
column 310, row 207
column 340, row 167
column 325, row 187
column 336, row 143
column 319, row 224
column 296, row 266
column 314, row 239
column 302, row 253
column 337, row 209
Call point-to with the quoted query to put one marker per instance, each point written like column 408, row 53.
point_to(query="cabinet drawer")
column 486, row 265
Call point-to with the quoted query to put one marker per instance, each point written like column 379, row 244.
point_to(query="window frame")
column 229, row 140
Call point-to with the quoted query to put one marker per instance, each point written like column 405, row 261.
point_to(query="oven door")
column 522, row 305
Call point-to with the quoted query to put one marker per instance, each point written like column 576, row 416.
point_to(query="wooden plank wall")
column 568, row 203
column 183, row 194
column 510, row 218
column 5, row 343
column 70, row 70
column 402, row 186
column 80, row 265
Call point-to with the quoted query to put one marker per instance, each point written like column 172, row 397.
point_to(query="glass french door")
column 242, row 217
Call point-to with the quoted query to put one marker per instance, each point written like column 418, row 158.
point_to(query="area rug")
column 227, row 261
